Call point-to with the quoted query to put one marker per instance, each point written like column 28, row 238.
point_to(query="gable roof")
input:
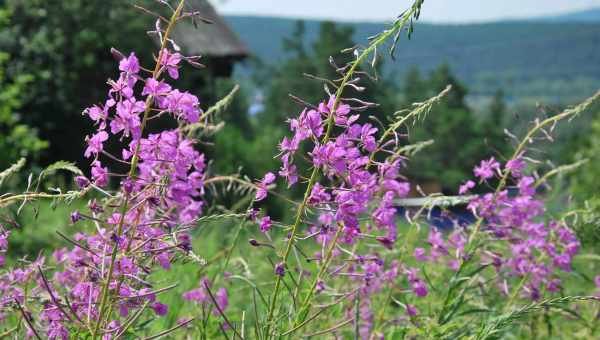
column 215, row 40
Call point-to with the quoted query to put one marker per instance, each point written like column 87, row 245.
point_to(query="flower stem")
column 398, row 25
column 132, row 170
column 569, row 113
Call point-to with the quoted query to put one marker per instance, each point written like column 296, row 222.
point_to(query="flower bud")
column 75, row 216
column 82, row 182
column 280, row 269
column 116, row 54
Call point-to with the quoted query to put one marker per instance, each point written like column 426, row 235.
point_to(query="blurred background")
column 508, row 62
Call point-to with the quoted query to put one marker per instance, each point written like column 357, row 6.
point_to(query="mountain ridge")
column 551, row 59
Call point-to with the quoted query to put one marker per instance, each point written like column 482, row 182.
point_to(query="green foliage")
column 12, row 170
column 64, row 47
column 17, row 140
column 585, row 186
column 460, row 136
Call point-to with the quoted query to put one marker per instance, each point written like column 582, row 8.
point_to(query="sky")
column 440, row 11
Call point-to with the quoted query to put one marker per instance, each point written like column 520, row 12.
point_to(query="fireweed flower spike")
column 104, row 277
column 343, row 159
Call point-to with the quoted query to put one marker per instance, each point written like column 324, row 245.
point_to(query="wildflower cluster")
column 522, row 245
column 102, row 280
column 353, row 203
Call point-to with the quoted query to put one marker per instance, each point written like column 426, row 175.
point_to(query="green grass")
column 251, row 265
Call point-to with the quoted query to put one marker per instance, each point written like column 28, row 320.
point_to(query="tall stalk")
column 104, row 307
column 394, row 31
column 567, row 114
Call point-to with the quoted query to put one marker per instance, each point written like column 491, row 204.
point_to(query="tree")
column 459, row 136
column 415, row 87
column 65, row 47
column 16, row 139
column 287, row 78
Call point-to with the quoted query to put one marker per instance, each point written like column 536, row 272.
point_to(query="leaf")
column 60, row 165
column 11, row 170
column 63, row 165
column 217, row 108
column 595, row 257
column 494, row 327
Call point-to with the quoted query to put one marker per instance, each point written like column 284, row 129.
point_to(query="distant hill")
column 551, row 59
column 591, row 15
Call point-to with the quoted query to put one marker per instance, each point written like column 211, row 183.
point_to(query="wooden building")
column 218, row 45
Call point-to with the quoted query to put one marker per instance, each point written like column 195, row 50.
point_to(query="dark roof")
column 209, row 40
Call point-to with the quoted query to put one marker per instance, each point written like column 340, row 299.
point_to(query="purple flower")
column 419, row 254
column 288, row 171
column 222, row 300
column 516, row 166
column 265, row 224
column 314, row 123
column 386, row 242
column 75, row 216
column 156, row 88
column 289, row 146
column 253, row 214
column 130, row 65
column 96, row 113
column 486, row 168
column 196, row 295
column 160, row 308
column 127, row 118
column 4, row 240
column 367, row 137
column 170, row 61
column 280, row 269
column 464, row 188
column 411, row 310
column 99, row 174
column 526, row 187
column 261, row 192
column 318, row 195
column 57, row 331
column 95, row 144
column 341, row 112
column 123, row 86
column 419, row 288
column 183, row 105
column 82, row 182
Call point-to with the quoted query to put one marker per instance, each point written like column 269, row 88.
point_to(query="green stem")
column 398, row 25
column 132, row 170
column 569, row 113
column 304, row 308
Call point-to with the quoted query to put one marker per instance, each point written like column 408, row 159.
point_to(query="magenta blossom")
column 486, row 169
column 95, row 144
column 516, row 166
column 265, row 224
column 170, row 61
column 130, row 65
column 261, row 192
column 464, row 188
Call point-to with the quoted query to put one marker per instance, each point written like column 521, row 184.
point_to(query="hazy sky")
column 377, row 10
